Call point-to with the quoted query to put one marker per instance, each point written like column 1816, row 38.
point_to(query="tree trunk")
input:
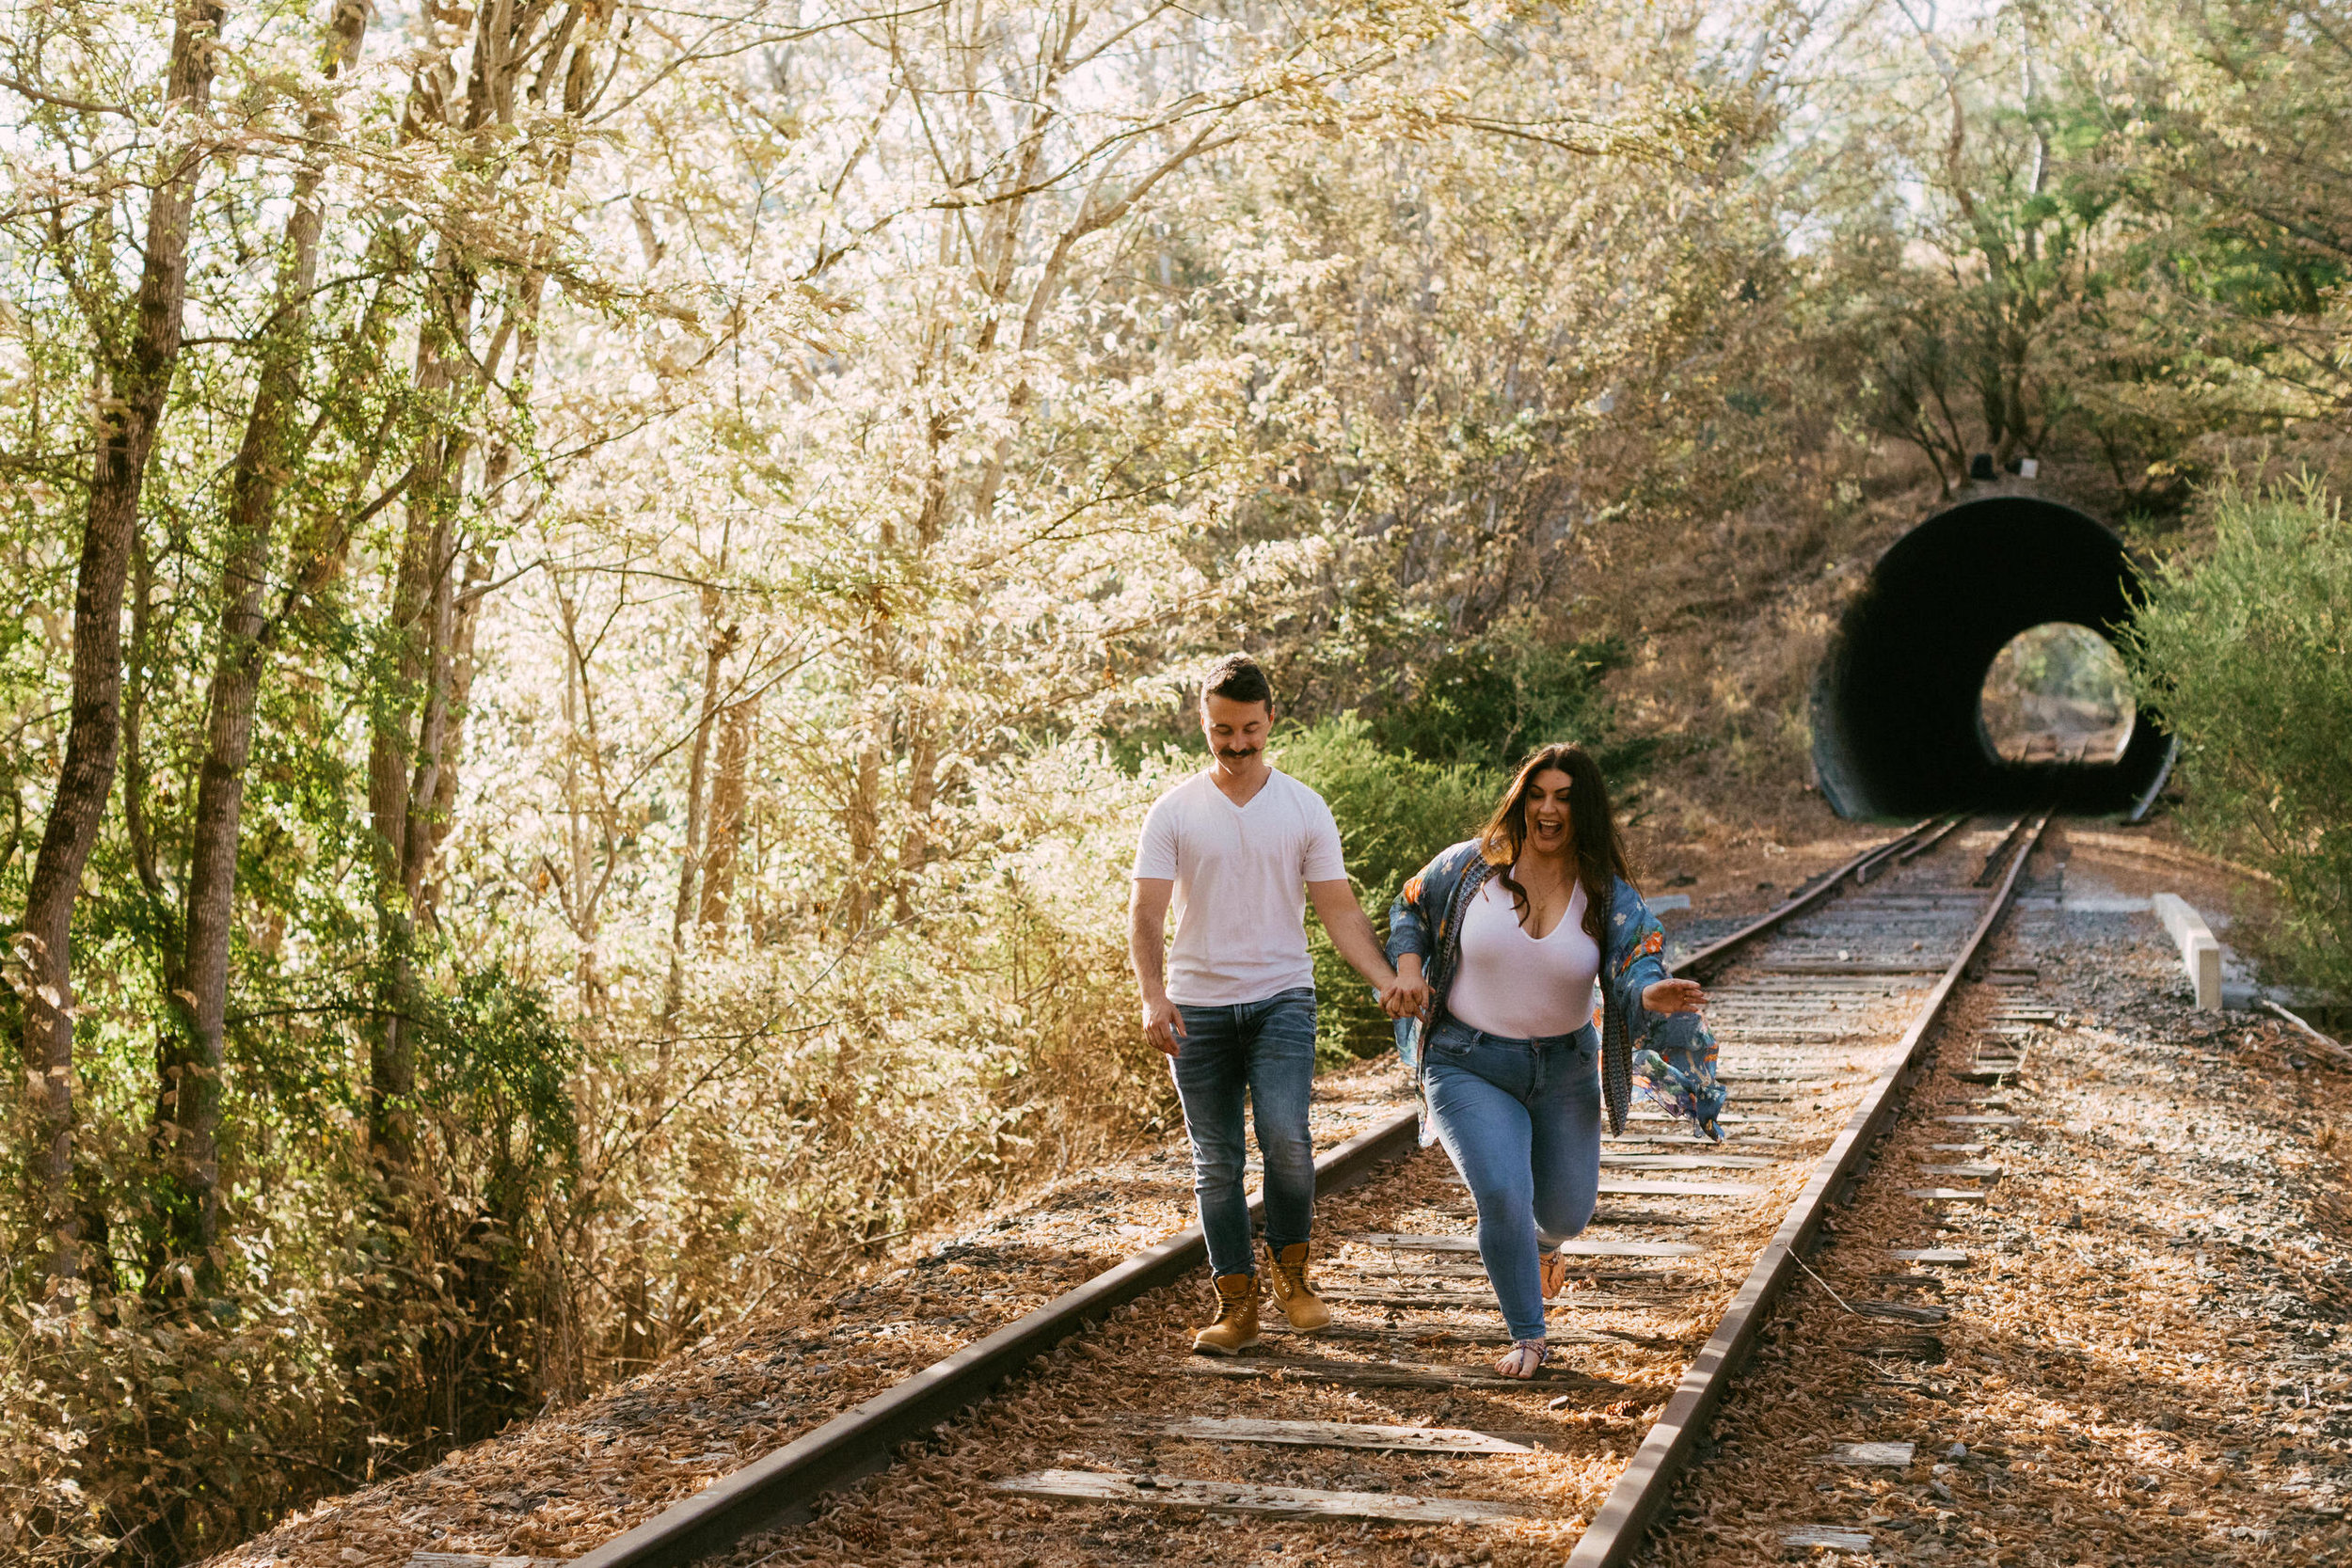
column 723, row 841
column 188, row 1112
column 863, row 809
column 922, row 786
column 427, row 834
column 141, row 377
column 403, row 745
column 718, row 642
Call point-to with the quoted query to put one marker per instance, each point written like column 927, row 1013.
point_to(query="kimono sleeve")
column 1637, row 957
column 1412, row 925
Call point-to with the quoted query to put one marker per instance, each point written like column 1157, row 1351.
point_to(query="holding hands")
column 1408, row 995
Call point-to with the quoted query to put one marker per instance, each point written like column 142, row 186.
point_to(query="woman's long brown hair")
column 1601, row 857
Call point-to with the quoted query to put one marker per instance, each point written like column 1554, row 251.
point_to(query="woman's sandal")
column 1525, row 1356
column 1554, row 1273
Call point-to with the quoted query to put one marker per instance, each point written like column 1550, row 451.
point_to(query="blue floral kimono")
column 1670, row 1057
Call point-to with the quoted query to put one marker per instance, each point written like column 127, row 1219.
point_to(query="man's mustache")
column 1229, row 754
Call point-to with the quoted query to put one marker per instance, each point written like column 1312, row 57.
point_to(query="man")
column 1235, row 846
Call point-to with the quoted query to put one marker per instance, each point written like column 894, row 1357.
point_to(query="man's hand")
column 1673, row 996
column 1147, row 949
column 1164, row 1026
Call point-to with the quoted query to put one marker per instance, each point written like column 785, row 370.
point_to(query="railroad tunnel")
column 1901, row 702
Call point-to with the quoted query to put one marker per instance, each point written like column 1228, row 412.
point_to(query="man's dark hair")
column 1237, row 679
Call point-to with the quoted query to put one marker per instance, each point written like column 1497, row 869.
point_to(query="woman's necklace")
column 1540, row 898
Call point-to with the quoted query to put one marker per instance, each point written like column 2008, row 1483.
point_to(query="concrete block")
column 2201, row 955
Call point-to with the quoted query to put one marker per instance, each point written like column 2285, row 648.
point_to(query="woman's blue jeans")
column 1266, row 1050
column 1522, row 1119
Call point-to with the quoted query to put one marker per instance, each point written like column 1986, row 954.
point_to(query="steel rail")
column 1999, row 855
column 775, row 1489
column 1933, row 839
column 1889, row 854
column 1723, row 947
column 1642, row 1487
column 780, row 1487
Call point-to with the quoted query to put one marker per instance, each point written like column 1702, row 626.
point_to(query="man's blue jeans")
column 1267, row 1050
column 1522, row 1119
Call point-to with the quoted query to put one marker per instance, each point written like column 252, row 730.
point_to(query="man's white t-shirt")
column 1241, row 876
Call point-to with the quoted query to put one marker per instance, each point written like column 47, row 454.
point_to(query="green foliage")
column 501, row 1073
column 1395, row 811
column 2246, row 655
column 2060, row 280
column 1491, row 701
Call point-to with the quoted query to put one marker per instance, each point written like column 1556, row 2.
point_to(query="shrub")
column 1493, row 701
column 2244, row 655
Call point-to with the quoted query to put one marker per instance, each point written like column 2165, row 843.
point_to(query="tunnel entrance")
column 1921, row 706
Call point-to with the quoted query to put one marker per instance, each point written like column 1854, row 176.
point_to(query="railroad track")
column 1824, row 1007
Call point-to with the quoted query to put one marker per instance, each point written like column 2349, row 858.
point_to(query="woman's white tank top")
column 1510, row 983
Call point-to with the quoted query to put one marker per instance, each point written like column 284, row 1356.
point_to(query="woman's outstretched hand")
column 1673, row 996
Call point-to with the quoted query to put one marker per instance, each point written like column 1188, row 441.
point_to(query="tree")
column 190, row 1066
column 139, row 351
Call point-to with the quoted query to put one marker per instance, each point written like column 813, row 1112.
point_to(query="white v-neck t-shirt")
column 1241, row 876
column 1508, row 983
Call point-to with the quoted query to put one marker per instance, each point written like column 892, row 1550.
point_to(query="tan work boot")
column 1236, row 1326
column 1297, row 1298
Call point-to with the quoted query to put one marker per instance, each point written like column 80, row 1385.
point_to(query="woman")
column 1497, row 945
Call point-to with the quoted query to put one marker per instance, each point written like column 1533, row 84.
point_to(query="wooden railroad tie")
column 1393, row 1374
column 1405, row 1241
column 1606, row 1218
column 1999, row 1055
column 1399, row 1333
column 1602, row 1218
column 1400, row 1274
column 1678, row 1189
column 1448, row 1301
column 1903, row 1311
column 1923, row 1348
column 1729, row 1119
column 1828, row 1538
column 1897, row 1454
column 1689, row 1162
column 1346, row 1434
column 1278, row 1502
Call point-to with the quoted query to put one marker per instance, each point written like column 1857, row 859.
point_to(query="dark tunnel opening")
column 1896, row 724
